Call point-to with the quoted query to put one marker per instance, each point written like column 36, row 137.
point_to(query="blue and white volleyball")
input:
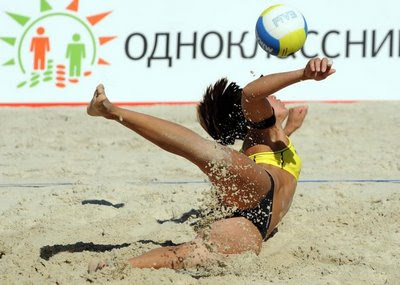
column 281, row 30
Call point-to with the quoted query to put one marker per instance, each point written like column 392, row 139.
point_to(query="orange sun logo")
column 45, row 55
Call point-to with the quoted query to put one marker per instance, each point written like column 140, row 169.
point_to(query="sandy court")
column 75, row 188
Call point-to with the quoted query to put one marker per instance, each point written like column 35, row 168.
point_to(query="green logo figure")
column 75, row 53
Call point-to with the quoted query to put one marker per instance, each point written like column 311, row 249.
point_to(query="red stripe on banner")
column 324, row 102
column 138, row 104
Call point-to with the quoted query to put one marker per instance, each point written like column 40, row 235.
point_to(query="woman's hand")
column 318, row 69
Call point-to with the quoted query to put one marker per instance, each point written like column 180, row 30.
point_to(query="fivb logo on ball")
column 56, row 47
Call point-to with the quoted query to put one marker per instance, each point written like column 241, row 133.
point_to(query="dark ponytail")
column 220, row 112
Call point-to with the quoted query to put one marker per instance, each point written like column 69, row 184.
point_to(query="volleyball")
column 281, row 30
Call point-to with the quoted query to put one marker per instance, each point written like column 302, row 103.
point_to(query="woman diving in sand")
column 257, row 183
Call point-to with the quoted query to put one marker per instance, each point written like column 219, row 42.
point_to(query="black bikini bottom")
column 261, row 215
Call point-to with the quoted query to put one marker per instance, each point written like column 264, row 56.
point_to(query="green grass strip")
column 35, row 77
column 22, row 84
column 33, row 84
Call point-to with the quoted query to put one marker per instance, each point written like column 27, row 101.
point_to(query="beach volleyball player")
column 257, row 183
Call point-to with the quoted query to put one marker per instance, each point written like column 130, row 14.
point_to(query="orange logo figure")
column 40, row 46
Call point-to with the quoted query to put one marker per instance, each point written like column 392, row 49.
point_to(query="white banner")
column 170, row 50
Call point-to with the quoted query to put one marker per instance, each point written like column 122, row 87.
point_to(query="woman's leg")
column 181, row 256
column 241, row 182
column 229, row 236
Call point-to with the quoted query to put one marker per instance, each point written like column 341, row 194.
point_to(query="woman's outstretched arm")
column 255, row 106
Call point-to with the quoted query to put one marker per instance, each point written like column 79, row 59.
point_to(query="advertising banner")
column 171, row 50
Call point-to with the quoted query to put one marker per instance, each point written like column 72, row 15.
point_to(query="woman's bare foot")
column 295, row 119
column 95, row 265
column 100, row 105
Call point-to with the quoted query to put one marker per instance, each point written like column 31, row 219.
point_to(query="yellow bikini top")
column 286, row 159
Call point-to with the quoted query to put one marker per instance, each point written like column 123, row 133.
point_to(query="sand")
column 75, row 189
